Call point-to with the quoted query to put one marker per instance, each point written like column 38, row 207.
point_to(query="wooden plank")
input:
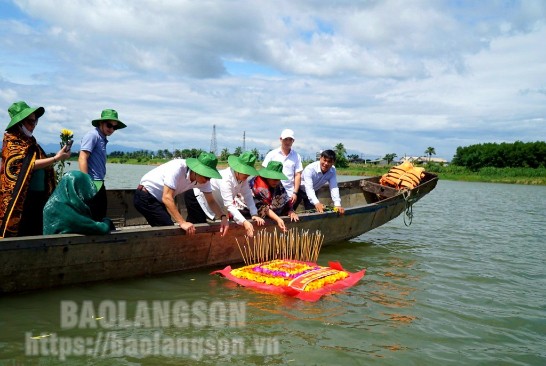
column 384, row 191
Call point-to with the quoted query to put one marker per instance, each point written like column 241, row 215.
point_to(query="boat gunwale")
column 122, row 235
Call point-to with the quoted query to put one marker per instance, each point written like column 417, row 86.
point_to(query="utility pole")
column 213, row 147
column 244, row 141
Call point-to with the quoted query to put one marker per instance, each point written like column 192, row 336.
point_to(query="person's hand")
column 293, row 216
column 340, row 210
column 62, row 154
column 110, row 224
column 188, row 227
column 249, row 228
column 224, row 226
column 320, row 207
column 282, row 226
column 259, row 220
column 293, row 198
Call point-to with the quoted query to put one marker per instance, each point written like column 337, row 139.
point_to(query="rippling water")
column 464, row 284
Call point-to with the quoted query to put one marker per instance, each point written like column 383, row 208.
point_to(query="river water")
column 464, row 284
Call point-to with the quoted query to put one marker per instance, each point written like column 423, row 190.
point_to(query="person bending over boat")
column 233, row 183
column 27, row 177
column 67, row 211
column 92, row 158
column 314, row 176
column 270, row 196
column 154, row 197
column 291, row 161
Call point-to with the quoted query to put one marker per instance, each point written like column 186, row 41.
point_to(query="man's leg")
column 153, row 211
column 302, row 196
column 306, row 203
column 196, row 214
column 98, row 204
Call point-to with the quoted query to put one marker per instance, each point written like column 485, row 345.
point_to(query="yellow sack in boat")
column 404, row 175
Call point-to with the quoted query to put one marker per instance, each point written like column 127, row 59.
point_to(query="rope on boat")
column 408, row 209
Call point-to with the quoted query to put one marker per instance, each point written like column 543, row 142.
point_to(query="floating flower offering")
column 293, row 277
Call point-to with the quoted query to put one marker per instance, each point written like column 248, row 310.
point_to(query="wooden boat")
column 135, row 249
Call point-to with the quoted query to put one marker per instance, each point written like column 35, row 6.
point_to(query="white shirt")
column 174, row 174
column 291, row 164
column 225, row 190
column 312, row 179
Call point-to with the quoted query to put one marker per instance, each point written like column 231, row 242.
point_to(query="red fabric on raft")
column 289, row 291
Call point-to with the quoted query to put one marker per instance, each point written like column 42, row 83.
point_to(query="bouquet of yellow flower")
column 66, row 140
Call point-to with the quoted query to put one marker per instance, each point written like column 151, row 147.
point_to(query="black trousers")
column 32, row 219
column 302, row 196
column 196, row 215
column 98, row 204
column 153, row 211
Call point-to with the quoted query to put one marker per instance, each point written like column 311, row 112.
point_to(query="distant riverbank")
column 456, row 173
column 451, row 172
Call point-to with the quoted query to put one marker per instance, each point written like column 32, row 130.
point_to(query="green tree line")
column 503, row 155
column 474, row 157
column 144, row 156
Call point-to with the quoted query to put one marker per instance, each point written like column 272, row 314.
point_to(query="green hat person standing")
column 92, row 158
column 27, row 177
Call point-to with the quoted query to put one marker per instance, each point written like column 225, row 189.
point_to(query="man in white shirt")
column 232, row 183
column 314, row 176
column 291, row 161
column 154, row 196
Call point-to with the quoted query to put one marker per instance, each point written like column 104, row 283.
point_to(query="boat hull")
column 31, row 263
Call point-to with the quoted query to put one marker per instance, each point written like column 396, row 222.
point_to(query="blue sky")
column 378, row 76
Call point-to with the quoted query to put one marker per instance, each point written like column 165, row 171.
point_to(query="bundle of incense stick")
column 266, row 246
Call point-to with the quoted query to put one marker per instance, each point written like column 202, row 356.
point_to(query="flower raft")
column 297, row 277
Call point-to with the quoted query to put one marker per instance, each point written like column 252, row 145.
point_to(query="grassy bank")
column 490, row 175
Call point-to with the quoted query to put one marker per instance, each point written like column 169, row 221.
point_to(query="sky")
column 380, row 77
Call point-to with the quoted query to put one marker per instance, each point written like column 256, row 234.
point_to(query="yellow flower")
column 66, row 133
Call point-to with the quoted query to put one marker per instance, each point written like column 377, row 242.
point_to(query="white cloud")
column 380, row 77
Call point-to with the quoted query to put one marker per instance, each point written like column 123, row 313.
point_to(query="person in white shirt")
column 154, row 196
column 291, row 161
column 314, row 176
column 233, row 182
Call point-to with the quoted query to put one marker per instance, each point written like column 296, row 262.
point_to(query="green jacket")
column 67, row 212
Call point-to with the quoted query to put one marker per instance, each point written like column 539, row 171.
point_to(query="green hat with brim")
column 272, row 171
column 18, row 111
column 204, row 165
column 243, row 164
column 109, row 115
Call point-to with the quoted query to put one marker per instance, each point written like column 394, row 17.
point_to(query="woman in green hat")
column 27, row 177
column 270, row 196
column 232, row 184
